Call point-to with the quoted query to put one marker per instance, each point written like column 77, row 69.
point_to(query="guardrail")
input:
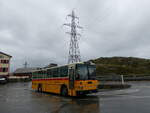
column 125, row 78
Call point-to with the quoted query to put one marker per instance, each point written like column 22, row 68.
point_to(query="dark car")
column 3, row 79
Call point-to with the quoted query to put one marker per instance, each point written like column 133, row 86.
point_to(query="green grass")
column 122, row 65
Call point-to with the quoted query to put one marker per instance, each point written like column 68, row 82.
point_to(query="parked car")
column 3, row 79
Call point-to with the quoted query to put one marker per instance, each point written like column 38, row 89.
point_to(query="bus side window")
column 63, row 71
column 52, row 73
column 40, row 74
column 35, row 75
column 55, row 72
column 44, row 74
column 49, row 73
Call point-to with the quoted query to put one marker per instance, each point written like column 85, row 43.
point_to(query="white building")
column 4, row 64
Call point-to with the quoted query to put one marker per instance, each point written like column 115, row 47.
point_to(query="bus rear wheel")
column 64, row 91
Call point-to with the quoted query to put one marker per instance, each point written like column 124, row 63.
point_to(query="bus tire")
column 39, row 87
column 64, row 90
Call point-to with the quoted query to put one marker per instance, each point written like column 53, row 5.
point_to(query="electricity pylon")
column 74, row 52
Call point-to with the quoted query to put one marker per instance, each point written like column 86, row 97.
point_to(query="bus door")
column 71, row 78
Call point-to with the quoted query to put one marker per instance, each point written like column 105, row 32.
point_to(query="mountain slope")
column 122, row 65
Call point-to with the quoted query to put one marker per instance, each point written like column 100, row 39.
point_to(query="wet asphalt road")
column 19, row 98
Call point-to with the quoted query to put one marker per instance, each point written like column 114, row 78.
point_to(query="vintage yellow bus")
column 68, row 80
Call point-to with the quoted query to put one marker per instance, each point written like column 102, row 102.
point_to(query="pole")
column 122, row 80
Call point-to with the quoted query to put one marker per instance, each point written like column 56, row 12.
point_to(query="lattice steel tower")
column 74, row 52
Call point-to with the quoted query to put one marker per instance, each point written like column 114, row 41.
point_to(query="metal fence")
column 125, row 78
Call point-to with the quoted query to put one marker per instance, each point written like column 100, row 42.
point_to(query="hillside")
column 122, row 65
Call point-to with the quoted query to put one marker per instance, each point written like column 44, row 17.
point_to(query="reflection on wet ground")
column 19, row 98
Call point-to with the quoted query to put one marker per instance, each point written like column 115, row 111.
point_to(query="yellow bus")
column 68, row 80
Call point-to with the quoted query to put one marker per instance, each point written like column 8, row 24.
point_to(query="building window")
column 3, row 69
column 5, row 61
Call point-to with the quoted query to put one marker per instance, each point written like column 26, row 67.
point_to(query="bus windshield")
column 85, row 72
column 92, row 72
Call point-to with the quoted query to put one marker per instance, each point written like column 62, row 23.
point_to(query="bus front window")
column 82, row 72
column 92, row 72
column 86, row 72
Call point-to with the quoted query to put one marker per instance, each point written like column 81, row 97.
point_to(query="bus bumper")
column 86, row 92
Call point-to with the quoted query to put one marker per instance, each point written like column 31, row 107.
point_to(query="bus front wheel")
column 64, row 91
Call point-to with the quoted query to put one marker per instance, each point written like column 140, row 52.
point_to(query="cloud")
column 31, row 30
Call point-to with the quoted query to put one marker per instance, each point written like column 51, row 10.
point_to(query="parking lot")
column 20, row 98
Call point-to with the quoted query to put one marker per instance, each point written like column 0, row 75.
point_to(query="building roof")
column 24, row 70
column 5, row 54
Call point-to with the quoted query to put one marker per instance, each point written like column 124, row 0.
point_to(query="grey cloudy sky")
column 31, row 30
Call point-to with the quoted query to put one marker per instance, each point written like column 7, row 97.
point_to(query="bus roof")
column 44, row 69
